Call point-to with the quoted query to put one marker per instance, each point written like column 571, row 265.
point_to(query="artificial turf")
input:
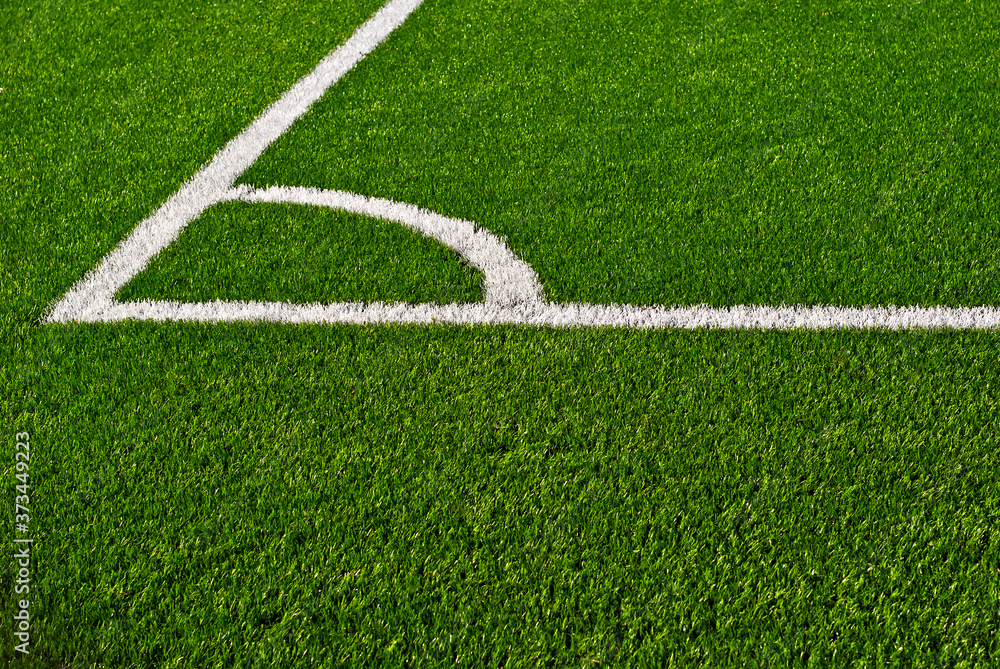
column 284, row 253
column 688, row 152
column 274, row 496
column 302, row 496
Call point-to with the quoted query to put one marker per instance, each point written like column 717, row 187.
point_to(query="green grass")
column 292, row 496
column 284, row 253
column 685, row 153
column 287, row 496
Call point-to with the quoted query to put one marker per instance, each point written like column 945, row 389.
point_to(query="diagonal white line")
column 94, row 293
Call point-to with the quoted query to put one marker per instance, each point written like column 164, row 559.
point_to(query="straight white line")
column 740, row 317
column 94, row 293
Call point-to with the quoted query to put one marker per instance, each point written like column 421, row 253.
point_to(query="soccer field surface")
column 502, row 333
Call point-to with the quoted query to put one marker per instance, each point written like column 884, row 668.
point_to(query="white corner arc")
column 512, row 291
column 509, row 281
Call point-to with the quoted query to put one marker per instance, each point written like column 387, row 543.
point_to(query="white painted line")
column 513, row 293
column 564, row 315
column 94, row 293
column 509, row 280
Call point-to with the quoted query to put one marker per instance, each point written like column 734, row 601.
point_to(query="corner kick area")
column 513, row 293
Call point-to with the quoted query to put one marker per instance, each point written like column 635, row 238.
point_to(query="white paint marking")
column 509, row 280
column 563, row 315
column 94, row 293
column 513, row 293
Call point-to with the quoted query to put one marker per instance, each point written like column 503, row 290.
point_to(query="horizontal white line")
column 742, row 317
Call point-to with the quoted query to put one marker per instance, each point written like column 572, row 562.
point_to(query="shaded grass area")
column 269, row 496
column 290, row 253
column 681, row 153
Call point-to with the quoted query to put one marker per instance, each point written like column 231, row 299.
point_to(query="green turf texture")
column 291, row 253
column 688, row 152
column 275, row 496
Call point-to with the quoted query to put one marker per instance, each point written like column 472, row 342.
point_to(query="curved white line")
column 509, row 280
